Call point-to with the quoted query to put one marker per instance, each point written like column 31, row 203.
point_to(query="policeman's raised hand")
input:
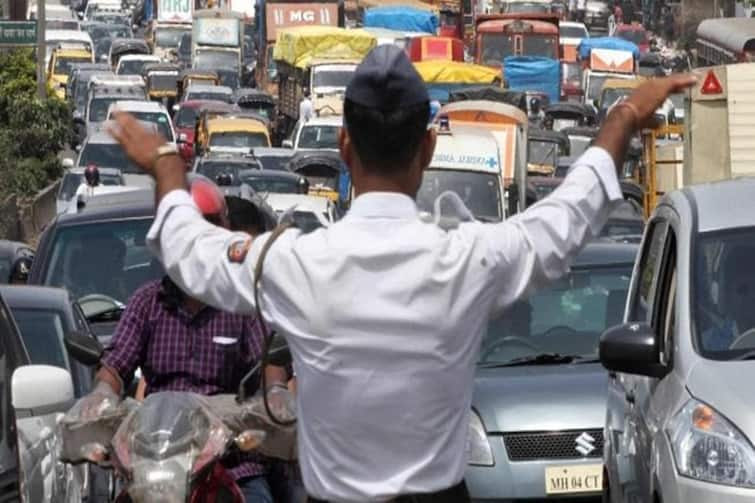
column 651, row 95
column 139, row 143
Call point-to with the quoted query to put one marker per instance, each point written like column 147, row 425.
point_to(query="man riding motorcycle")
column 181, row 344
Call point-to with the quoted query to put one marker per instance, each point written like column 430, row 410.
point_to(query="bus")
column 723, row 41
column 502, row 35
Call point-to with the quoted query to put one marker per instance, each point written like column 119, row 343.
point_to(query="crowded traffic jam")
column 622, row 381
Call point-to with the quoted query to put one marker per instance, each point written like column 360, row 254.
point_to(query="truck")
column 273, row 15
column 165, row 31
column 321, row 60
column 217, row 40
column 605, row 58
column 515, row 34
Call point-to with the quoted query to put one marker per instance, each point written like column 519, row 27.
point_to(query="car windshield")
column 186, row 117
column 107, row 258
column 119, row 31
column 724, row 293
column 210, row 96
column 210, row 60
column 160, row 119
column 63, row 65
column 98, row 108
column 333, row 78
column 42, row 331
column 238, row 139
column 275, row 185
column 213, row 169
column 168, row 37
column 480, row 192
column 611, row 96
column 317, row 137
column 635, row 36
column 229, row 79
column 132, row 67
column 107, row 155
column 275, row 162
column 540, row 45
column 71, row 182
column 542, row 153
column 572, row 32
column 262, row 109
column 566, row 318
column 495, row 47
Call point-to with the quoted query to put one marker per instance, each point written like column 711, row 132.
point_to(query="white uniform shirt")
column 306, row 110
column 384, row 316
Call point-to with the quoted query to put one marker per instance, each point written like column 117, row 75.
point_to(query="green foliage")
column 32, row 131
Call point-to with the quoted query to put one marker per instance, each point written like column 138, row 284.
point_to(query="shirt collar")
column 383, row 205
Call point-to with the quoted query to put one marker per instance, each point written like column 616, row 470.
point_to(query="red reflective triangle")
column 711, row 85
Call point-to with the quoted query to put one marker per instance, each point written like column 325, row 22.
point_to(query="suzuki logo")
column 585, row 444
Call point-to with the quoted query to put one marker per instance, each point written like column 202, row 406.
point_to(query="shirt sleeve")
column 127, row 348
column 538, row 245
column 209, row 263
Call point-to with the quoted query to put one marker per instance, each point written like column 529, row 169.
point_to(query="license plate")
column 573, row 479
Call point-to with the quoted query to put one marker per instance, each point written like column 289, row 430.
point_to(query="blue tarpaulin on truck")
column 531, row 73
column 401, row 18
column 614, row 43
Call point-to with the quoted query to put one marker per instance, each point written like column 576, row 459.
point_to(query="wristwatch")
column 162, row 151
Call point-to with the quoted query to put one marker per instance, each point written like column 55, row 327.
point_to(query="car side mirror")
column 83, row 347
column 631, row 348
column 67, row 163
column 287, row 144
column 38, row 390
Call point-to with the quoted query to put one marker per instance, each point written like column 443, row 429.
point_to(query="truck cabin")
column 167, row 36
column 499, row 38
column 438, row 48
column 544, row 148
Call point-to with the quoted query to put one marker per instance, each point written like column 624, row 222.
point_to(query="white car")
column 133, row 64
column 318, row 133
column 147, row 111
column 308, row 212
column 73, row 179
column 572, row 32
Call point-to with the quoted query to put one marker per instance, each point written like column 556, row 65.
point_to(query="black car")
column 10, row 252
column 100, row 255
column 13, row 355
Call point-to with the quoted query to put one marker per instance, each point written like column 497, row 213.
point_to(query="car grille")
column 553, row 445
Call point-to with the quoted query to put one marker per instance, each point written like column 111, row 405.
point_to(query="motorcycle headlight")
column 708, row 447
column 478, row 447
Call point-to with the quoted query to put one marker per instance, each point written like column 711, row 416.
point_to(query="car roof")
column 330, row 120
column 67, row 35
column 138, row 57
column 303, row 202
column 35, row 297
column 112, row 206
column 214, row 155
column 272, row 152
column 77, row 170
column 603, row 254
column 204, row 88
column 139, row 106
column 273, row 173
column 711, row 199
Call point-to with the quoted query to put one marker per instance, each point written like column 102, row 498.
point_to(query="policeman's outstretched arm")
column 538, row 245
column 210, row 263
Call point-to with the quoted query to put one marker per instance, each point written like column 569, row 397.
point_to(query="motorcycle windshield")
column 164, row 441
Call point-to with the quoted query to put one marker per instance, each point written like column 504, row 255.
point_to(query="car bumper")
column 508, row 482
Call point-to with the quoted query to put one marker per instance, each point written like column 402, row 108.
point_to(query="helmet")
column 92, row 175
column 209, row 199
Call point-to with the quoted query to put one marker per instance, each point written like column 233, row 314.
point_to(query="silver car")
column 536, row 430
column 681, row 409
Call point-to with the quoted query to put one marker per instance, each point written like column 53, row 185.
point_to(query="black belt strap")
column 455, row 494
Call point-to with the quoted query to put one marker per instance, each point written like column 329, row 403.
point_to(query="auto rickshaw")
column 122, row 46
column 232, row 133
column 194, row 76
column 326, row 173
column 256, row 101
column 162, row 82
column 567, row 114
column 544, row 147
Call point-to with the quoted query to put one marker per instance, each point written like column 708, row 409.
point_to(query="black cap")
column 386, row 80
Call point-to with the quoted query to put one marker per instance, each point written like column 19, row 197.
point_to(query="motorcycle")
column 168, row 448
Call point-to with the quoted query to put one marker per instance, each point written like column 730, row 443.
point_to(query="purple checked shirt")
column 206, row 353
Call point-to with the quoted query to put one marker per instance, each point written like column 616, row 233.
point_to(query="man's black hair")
column 244, row 215
column 386, row 141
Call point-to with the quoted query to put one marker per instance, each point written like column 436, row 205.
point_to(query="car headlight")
column 478, row 447
column 708, row 447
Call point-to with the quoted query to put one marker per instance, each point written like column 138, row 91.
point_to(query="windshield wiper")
column 539, row 359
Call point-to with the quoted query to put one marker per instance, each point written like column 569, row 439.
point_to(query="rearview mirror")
column 37, row 390
column 631, row 348
column 287, row 144
column 83, row 347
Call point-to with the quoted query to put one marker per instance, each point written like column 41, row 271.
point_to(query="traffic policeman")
column 383, row 312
